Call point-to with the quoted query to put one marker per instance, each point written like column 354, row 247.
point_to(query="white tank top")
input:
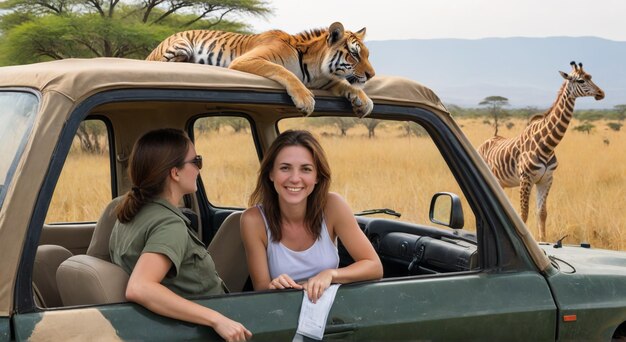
column 322, row 255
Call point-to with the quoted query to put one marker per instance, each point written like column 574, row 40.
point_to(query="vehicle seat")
column 92, row 278
column 99, row 245
column 84, row 280
column 47, row 261
column 229, row 255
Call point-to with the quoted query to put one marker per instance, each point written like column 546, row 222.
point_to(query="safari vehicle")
column 458, row 263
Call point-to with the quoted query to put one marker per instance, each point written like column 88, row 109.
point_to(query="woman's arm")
column 255, row 242
column 342, row 224
column 367, row 265
column 145, row 288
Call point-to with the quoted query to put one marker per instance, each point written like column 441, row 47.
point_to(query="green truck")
column 459, row 264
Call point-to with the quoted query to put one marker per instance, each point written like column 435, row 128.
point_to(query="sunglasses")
column 197, row 161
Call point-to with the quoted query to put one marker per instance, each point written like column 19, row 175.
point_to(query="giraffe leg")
column 524, row 195
column 543, row 189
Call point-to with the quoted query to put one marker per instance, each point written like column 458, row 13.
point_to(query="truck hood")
column 577, row 259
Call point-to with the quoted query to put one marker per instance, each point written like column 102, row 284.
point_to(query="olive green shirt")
column 159, row 227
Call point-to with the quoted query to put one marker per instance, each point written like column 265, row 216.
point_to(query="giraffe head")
column 580, row 84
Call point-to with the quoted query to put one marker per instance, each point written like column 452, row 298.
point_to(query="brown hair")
column 265, row 193
column 151, row 160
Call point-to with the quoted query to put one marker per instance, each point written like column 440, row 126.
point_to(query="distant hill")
column 524, row 70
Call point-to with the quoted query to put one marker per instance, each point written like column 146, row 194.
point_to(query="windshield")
column 17, row 111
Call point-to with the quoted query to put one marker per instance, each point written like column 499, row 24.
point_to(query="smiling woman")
column 290, row 233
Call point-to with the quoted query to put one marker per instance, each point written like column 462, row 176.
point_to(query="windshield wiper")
column 379, row 211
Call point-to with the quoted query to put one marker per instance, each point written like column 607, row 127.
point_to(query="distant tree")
column 621, row 111
column 585, row 127
column 343, row 124
column 42, row 30
column 494, row 105
column 89, row 134
column 509, row 125
column 590, row 114
column 205, row 125
column 237, row 124
column 616, row 126
column 371, row 125
column 528, row 112
column 411, row 128
column 455, row 110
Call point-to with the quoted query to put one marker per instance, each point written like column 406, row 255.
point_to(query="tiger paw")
column 362, row 105
column 303, row 100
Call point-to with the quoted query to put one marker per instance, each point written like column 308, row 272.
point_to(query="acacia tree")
column 616, row 126
column 621, row 111
column 530, row 113
column 371, row 125
column 40, row 30
column 237, row 124
column 585, row 127
column 494, row 105
column 411, row 128
column 89, row 134
column 343, row 124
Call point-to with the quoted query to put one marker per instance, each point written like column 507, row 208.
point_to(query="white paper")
column 312, row 321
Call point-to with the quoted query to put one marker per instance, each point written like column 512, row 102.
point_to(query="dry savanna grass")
column 587, row 198
column 586, row 202
column 83, row 189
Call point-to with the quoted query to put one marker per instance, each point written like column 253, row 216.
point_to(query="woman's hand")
column 144, row 288
column 282, row 282
column 316, row 286
column 231, row 330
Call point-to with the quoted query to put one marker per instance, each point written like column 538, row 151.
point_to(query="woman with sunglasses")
column 151, row 239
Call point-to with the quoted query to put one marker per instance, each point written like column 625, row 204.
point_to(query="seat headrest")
column 86, row 280
column 99, row 245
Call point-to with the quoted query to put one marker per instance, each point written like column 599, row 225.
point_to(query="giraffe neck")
column 553, row 126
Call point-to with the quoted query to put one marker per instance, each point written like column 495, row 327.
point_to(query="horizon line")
column 495, row 37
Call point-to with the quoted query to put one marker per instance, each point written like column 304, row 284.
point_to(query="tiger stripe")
column 330, row 58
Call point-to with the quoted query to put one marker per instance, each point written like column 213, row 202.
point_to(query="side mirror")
column 446, row 209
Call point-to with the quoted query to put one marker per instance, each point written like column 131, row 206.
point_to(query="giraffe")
column 529, row 159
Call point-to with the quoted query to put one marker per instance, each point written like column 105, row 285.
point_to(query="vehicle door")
column 400, row 165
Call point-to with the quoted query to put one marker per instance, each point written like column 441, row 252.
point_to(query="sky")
column 465, row 19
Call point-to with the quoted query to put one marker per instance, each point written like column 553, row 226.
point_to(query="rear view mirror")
column 446, row 209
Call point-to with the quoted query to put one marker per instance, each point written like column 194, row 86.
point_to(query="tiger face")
column 348, row 57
